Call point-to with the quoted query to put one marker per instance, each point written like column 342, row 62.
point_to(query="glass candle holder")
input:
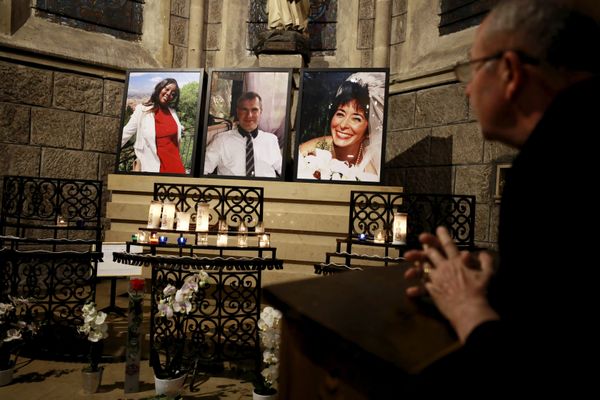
column 134, row 238
column 183, row 221
column 168, row 216
column 153, row 238
column 142, row 237
column 181, row 241
column 162, row 240
column 260, row 227
column 264, row 240
column 362, row 236
column 154, row 214
column 221, row 239
column 399, row 228
column 61, row 220
column 379, row 236
column 202, row 216
column 242, row 228
column 202, row 239
column 223, row 227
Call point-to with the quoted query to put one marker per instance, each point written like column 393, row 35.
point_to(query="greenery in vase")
column 270, row 337
column 175, row 301
column 96, row 329
column 16, row 327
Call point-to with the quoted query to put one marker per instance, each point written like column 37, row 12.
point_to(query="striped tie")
column 249, row 155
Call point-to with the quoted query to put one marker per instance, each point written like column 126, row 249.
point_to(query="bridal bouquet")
column 320, row 164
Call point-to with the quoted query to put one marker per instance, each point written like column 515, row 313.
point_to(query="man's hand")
column 457, row 281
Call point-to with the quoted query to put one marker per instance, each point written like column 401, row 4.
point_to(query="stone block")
column 498, row 152
column 69, row 164
column 280, row 61
column 14, row 123
column 407, row 148
column 113, row 98
column 179, row 57
column 78, row 93
column 429, row 180
column 178, row 31
column 56, row 128
column 366, row 58
column 398, row 7
column 441, row 105
column 20, row 84
column 394, row 177
column 181, row 8
column 401, row 111
column 209, row 59
column 482, row 222
column 366, row 9
column 101, row 134
column 213, row 36
column 398, row 29
column 466, row 144
column 20, row 160
column 215, row 11
column 365, row 34
column 494, row 221
column 475, row 180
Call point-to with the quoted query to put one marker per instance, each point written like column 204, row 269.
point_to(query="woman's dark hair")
column 351, row 91
column 154, row 102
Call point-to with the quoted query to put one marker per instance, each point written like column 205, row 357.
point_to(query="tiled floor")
column 51, row 380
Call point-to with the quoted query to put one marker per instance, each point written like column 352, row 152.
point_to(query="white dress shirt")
column 227, row 153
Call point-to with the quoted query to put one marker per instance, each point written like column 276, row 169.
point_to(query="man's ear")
column 511, row 74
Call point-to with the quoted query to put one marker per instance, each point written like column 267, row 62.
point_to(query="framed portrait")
column 159, row 121
column 341, row 125
column 246, row 125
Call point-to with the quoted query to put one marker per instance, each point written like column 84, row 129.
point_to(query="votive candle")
column 183, row 221
column 154, row 214
column 168, row 216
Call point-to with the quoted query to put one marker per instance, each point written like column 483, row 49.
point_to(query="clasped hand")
column 456, row 280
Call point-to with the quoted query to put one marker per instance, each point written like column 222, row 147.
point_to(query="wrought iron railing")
column 222, row 324
column 233, row 203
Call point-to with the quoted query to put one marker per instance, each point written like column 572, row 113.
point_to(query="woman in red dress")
column 158, row 130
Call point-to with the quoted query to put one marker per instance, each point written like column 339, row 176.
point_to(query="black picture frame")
column 223, row 147
column 142, row 157
column 315, row 155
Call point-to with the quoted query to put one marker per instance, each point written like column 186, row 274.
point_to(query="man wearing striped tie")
column 245, row 150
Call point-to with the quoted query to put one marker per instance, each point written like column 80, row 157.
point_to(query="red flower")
column 136, row 284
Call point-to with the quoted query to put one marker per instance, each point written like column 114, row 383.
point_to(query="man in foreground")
column 527, row 325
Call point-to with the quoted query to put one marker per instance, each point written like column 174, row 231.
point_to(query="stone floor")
column 52, row 380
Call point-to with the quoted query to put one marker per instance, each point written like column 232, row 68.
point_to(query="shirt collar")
column 246, row 133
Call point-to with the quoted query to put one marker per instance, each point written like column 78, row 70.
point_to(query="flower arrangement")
column 95, row 328
column 320, row 164
column 270, row 333
column 176, row 301
column 16, row 326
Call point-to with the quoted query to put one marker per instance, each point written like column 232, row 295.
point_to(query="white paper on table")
column 108, row 267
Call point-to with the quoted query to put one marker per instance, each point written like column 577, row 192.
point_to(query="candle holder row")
column 201, row 239
column 165, row 216
column 398, row 232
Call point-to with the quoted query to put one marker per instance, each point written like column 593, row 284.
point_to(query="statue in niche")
column 288, row 33
column 288, row 14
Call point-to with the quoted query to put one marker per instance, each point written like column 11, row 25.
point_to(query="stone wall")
column 434, row 145
column 57, row 124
